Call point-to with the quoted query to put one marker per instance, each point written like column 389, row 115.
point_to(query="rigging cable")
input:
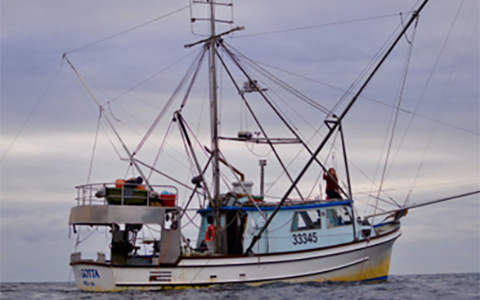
column 31, row 113
column 192, row 82
column 442, row 106
column 151, row 77
column 127, row 30
column 325, row 162
column 439, row 121
column 225, row 181
column 235, row 60
column 399, row 102
column 94, row 146
column 317, row 26
column 171, row 99
column 369, row 66
column 160, row 149
column 370, row 99
column 238, row 55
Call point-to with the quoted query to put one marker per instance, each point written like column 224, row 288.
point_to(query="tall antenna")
column 200, row 15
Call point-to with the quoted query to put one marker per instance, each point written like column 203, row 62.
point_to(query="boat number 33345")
column 304, row 238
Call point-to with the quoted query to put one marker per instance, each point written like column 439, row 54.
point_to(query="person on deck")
column 332, row 189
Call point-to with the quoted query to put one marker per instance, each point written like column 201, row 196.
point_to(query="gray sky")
column 53, row 151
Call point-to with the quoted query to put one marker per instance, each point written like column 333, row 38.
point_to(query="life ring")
column 210, row 234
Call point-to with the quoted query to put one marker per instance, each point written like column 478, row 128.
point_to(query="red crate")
column 168, row 199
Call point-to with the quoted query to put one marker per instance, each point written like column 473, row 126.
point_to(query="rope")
column 128, row 30
column 81, row 241
column 190, row 221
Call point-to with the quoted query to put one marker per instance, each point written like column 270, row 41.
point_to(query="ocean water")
column 438, row 286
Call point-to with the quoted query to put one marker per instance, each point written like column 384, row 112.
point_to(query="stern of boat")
column 91, row 276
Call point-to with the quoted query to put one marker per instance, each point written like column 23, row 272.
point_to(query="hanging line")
column 171, row 100
column 443, row 123
column 128, row 30
column 399, row 103
column 429, row 80
column 32, row 112
column 94, row 146
column 395, row 110
column 407, row 198
column 403, row 25
column 111, row 112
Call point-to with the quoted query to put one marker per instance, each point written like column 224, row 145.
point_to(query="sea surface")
column 438, row 286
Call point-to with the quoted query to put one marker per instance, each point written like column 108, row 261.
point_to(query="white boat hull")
column 351, row 262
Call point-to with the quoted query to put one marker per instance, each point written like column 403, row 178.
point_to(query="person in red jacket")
column 332, row 189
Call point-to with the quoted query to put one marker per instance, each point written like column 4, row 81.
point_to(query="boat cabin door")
column 235, row 225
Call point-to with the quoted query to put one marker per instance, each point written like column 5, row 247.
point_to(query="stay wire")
column 371, row 99
column 126, row 31
column 31, row 113
column 367, row 68
column 422, row 95
column 170, row 100
column 160, row 149
column 235, row 60
column 94, row 146
column 289, row 88
column 460, row 46
column 442, row 105
column 399, row 103
column 278, row 81
column 194, row 77
column 150, row 77
column 317, row 26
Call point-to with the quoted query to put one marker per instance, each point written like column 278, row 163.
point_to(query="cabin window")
column 337, row 217
column 306, row 220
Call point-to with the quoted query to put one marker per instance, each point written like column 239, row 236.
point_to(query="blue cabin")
column 297, row 226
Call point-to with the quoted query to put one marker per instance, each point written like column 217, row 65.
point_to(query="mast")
column 214, row 130
column 211, row 42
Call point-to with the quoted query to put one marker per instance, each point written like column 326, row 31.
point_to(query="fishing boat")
column 242, row 236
